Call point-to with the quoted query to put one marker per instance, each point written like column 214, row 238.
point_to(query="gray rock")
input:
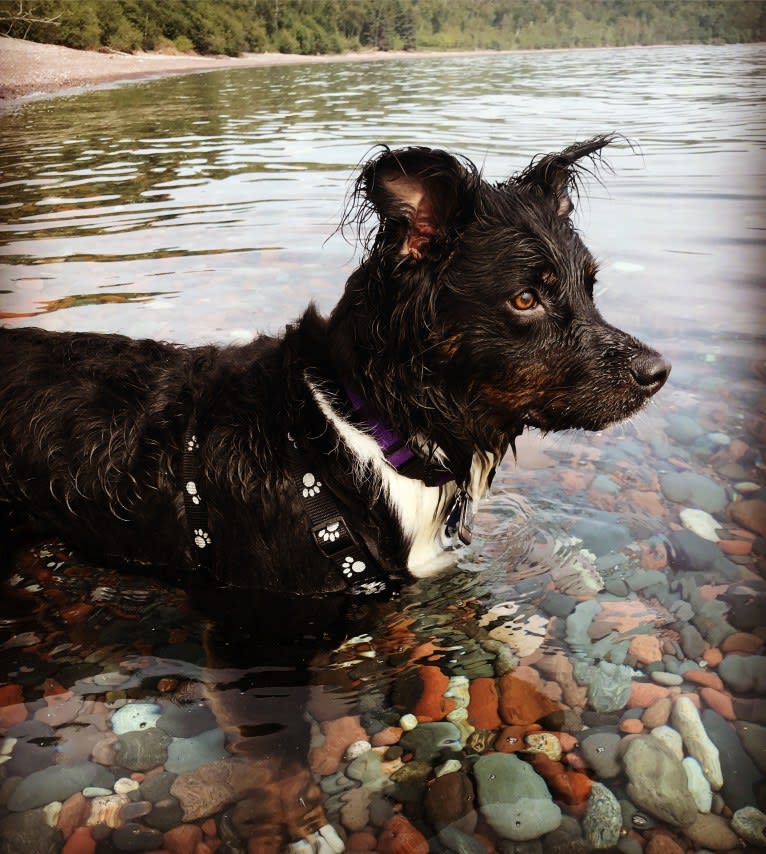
column 740, row 775
column 750, row 824
column 157, row 786
column 692, row 642
column 693, row 490
column 699, row 555
column 744, row 674
column 185, row 720
column 558, row 604
column 641, row 579
column 657, row 782
column 431, row 741
column 602, row 533
column 609, row 686
column 566, row 839
column 185, row 754
column 601, row 750
column 136, row 837
column 753, row 738
column 29, row 833
column 140, row 751
column 602, row 822
column 57, row 783
column 682, row 428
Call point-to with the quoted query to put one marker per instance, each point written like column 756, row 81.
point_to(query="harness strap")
column 331, row 533
column 194, row 504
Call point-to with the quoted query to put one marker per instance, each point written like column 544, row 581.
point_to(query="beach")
column 29, row 69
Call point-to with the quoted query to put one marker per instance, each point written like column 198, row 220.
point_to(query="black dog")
column 352, row 447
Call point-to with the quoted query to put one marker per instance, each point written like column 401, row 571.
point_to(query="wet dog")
column 352, row 447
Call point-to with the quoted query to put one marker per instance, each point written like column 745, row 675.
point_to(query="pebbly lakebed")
column 591, row 675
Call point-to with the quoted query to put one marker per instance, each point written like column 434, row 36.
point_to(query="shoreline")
column 34, row 71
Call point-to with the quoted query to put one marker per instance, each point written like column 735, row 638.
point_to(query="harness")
column 332, row 535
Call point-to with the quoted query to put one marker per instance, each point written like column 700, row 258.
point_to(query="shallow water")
column 204, row 208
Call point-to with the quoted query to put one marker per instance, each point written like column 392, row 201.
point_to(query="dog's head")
column 474, row 302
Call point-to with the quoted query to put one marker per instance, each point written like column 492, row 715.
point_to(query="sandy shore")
column 31, row 69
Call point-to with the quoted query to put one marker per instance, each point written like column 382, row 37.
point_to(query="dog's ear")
column 421, row 196
column 556, row 176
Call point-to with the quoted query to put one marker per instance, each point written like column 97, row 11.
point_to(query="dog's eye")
column 524, row 301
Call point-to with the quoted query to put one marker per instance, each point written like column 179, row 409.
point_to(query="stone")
column 657, row 781
column 682, row 429
column 356, row 749
column 155, row 787
column 182, row 839
column 141, row 750
column 521, row 702
column 74, row 812
column 57, row 783
column 719, row 702
column 663, row 844
column 671, row 739
column 705, row 678
column 450, row 802
column 740, row 775
column 750, row 824
column 136, row 837
column 186, row 754
column 701, row 523
column 699, row 555
column 600, row 749
column 513, row 798
column 29, row 833
column 698, row 784
column 367, row 769
column 745, row 643
column 662, row 677
column 753, row 739
column 106, row 811
column 713, row 832
column 483, row 704
column 135, row 717
column 208, row 789
column 602, row 533
column 693, row 489
column 602, row 822
column 744, row 674
column 432, row 741
column 399, row 836
column 543, row 742
column 686, row 720
column 185, row 720
column 692, row 642
column 750, row 513
column 645, row 649
column 80, row 842
column 658, row 713
column 325, row 758
column 355, row 812
column 609, row 685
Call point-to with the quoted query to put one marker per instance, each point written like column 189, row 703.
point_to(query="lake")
column 615, row 586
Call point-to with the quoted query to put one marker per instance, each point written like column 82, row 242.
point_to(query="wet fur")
column 91, row 426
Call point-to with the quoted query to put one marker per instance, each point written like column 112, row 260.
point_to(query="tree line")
column 233, row 27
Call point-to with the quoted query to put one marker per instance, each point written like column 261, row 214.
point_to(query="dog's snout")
column 650, row 371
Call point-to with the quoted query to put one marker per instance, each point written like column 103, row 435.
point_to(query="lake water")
column 204, row 208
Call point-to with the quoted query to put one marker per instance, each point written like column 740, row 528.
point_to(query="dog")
column 353, row 448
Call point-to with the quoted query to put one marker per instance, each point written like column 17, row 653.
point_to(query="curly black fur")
column 434, row 329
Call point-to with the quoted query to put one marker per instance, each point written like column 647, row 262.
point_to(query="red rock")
column 12, row 708
column 511, row 739
column 735, row 547
column 209, row 828
column 432, row 705
column 705, row 678
column 751, row 514
column 743, row 642
column 182, row 839
column 11, row 694
column 657, row 714
column 663, row 844
column 386, row 737
column 361, row 841
column 338, row 734
column 646, row 649
column 80, row 842
column 482, row 708
column 649, row 502
column 712, row 656
column 719, row 702
column 643, row 694
column 400, row 837
column 571, row 787
column 74, row 812
column 521, row 703
column 632, row 726
column 568, row 741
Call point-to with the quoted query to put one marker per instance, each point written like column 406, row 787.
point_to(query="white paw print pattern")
column 201, row 538
column 371, row 587
column 311, row 486
column 191, row 490
column 330, row 533
column 351, row 567
column 192, row 444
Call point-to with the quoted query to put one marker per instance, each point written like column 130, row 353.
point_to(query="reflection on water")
column 610, row 574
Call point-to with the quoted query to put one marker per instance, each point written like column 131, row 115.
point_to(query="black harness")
column 331, row 534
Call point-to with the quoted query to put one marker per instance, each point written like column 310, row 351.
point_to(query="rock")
column 566, row 784
column 157, row 786
column 609, row 685
column 602, row 822
column 700, row 555
column 744, row 674
column 694, row 489
column 557, row 604
column 692, row 642
column 740, row 775
column 106, row 811
column 658, row 713
column 29, row 833
column 400, row 837
column 367, row 769
column 74, row 812
column 450, row 802
column 657, row 781
column 521, row 702
column 753, row 738
column 483, row 704
column 357, row 749
column 671, row 739
column 566, row 839
column 135, row 717
column 186, row 754
column 719, row 702
column 57, row 783
column 545, row 743
column 209, row 788
column 662, row 677
column 185, row 720
column 682, row 429
column 136, row 837
column 80, row 842
column 750, row 824
column 701, row 523
column 182, row 839
column 750, row 513
column 712, row 831
column 125, row 785
column 338, row 735
column 662, row 844
column 645, row 649
column 513, row 799
column 410, row 781
column 687, row 722
column 745, row 643
column 431, row 741
column 698, row 784
column 602, row 533
column 408, row 722
column 600, row 750
column 142, row 750
column 355, row 812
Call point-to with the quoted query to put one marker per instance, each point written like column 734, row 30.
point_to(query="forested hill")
column 334, row 26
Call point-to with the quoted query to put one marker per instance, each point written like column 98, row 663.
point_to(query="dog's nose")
column 650, row 371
